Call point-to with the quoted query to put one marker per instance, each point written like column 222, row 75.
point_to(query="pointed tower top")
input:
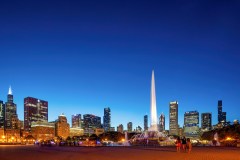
column 10, row 90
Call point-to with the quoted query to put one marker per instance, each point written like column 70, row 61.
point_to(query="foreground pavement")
column 116, row 153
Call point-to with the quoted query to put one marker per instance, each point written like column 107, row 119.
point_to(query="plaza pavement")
column 31, row 152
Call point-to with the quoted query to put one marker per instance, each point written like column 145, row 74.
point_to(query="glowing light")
column 153, row 106
column 228, row 138
column 10, row 91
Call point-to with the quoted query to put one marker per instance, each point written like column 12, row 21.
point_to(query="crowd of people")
column 183, row 143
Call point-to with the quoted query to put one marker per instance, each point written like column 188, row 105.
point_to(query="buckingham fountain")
column 152, row 135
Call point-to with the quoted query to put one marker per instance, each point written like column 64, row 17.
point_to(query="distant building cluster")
column 37, row 126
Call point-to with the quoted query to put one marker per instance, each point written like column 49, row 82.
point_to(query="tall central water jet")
column 153, row 106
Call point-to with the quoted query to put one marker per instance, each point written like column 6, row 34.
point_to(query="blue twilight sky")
column 84, row 56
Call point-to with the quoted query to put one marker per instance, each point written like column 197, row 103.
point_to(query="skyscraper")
column 191, row 124
column 62, row 127
column 2, row 114
column 173, row 118
column 35, row 110
column 162, row 123
column 153, row 106
column 77, row 121
column 206, row 121
column 120, row 128
column 221, row 115
column 129, row 127
column 91, row 121
column 145, row 122
column 107, row 119
column 11, row 118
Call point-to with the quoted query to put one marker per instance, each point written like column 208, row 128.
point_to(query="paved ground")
column 115, row 153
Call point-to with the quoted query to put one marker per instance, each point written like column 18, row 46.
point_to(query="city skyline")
column 82, row 57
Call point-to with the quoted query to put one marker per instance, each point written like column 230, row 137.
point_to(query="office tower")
column 162, row 123
column 221, row 115
column 219, row 111
column 120, row 128
column 191, row 124
column 173, row 118
column 145, row 122
column 107, row 119
column 77, row 121
column 91, row 121
column 129, row 127
column 62, row 127
column 11, row 118
column 2, row 114
column 35, row 110
column 153, row 106
column 206, row 121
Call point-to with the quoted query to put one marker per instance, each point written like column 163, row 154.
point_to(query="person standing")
column 184, row 143
column 178, row 144
column 189, row 145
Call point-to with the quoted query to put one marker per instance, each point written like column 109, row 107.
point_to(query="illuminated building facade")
column 162, row 123
column 107, row 119
column 129, row 127
column 173, row 118
column 11, row 117
column 91, row 121
column 76, row 132
column 206, row 123
column 77, row 121
column 2, row 114
column 43, row 130
column 62, row 127
column 35, row 110
column 191, row 124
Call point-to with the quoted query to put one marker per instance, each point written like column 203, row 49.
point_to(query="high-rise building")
column 153, row 106
column 191, row 124
column 206, row 121
column 77, row 121
column 91, row 121
column 120, row 128
column 145, row 122
column 221, row 115
column 107, row 119
column 2, row 114
column 62, row 127
column 162, row 123
column 129, row 127
column 35, row 110
column 173, row 118
column 11, row 117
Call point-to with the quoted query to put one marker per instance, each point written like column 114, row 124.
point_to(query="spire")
column 10, row 90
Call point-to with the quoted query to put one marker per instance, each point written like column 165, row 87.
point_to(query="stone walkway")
column 116, row 153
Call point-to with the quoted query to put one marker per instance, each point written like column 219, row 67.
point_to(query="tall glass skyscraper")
column 206, row 122
column 129, row 127
column 191, row 124
column 91, row 121
column 221, row 115
column 145, row 122
column 162, row 123
column 107, row 119
column 173, row 118
column 77, row 121
column 35, row 110
column 11, row 118
column 2, row 114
